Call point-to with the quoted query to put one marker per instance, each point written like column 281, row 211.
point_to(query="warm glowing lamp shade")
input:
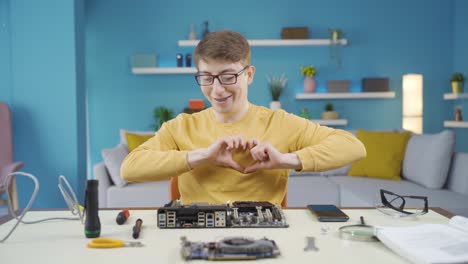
column 413, row 102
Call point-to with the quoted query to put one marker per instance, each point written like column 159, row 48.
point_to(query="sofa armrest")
column 101, row 174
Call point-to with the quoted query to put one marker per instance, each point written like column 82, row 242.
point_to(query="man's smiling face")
column 226, row 99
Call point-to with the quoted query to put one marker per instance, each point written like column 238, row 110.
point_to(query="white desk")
column 64, row 241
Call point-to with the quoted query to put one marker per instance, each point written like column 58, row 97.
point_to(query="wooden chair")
column 7, row 165
column 175, row 194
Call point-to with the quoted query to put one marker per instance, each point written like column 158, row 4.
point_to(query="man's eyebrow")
column 230, row 70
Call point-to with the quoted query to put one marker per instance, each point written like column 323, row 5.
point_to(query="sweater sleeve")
column 322, row 148
column 157, row 159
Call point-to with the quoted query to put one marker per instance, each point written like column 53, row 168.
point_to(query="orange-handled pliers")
column 112, row 243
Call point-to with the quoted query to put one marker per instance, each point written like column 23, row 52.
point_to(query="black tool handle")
column 137, row 228
column 92, row 223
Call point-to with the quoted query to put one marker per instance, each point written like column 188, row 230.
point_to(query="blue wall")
column 385, row 39
column 460, row 64
column 47, row 95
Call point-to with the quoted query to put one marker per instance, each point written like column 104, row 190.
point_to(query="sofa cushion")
column 458, row 176
column 145, row 194
column 385, row 151
column 306, row 189
column 113, row 160
column 427, row 158
column 135, row 140
column 123, row 138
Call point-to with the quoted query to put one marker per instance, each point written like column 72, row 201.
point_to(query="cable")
column 71, row 202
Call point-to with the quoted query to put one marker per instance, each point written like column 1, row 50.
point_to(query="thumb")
column 235, row 166
column 254, row 167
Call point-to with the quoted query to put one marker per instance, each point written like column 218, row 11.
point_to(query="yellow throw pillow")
column 135, row 140
column 385, row 152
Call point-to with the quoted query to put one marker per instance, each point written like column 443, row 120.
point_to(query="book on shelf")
column 429, row 243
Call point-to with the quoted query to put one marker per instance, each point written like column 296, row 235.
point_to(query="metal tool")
column 360, row 232
column 310, row 244
column 112, row 243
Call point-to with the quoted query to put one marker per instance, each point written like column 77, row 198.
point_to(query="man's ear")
column 250, row 74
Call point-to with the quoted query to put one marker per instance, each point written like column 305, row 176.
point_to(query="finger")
column 237, row 142
column 230, row 144
column 261, row 152
column 253, row 142
column 244, row 145
column 255, row 167
column 241, row 142
column 235, row 166
column 255, row 154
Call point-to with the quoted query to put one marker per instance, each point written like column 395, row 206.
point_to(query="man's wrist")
column 196, row 157
column 292, row 161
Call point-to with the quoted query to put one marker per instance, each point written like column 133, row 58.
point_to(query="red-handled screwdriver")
column 122, row 216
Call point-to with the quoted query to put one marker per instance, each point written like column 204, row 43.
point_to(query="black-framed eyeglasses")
column 398, row 205
column 224, row 78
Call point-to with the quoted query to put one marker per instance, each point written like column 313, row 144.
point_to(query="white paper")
column 428, row 243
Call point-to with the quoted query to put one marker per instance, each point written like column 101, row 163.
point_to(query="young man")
column 234, row 150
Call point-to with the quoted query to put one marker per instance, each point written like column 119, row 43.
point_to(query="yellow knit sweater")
column 319, row 148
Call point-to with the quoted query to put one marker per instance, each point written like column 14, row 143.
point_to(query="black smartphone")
column 328, row 213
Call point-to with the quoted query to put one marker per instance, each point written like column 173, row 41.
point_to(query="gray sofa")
column 430, row 168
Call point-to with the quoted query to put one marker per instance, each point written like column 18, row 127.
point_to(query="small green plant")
column 305, row 113
column 161, row 114
column 308, row 70
column 329, row 107
column 277, row 85
column 458, row 77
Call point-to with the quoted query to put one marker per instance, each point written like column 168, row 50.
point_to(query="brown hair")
column 223, row 45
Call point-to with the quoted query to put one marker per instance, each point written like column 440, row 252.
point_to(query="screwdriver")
column 137, row 228
column 122, row 216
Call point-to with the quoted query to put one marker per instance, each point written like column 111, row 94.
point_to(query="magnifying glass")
column 361, row 232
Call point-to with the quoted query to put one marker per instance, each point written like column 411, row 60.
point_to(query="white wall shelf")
column 331, row 122
column 157, row 70
column 275, row 42
column 456, row 124
column 454, row 96
column 368, row 95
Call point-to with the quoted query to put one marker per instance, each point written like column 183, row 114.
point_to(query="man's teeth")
column 222, row 99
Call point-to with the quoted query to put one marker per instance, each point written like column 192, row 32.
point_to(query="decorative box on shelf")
column 338, row 86
column 375, row 84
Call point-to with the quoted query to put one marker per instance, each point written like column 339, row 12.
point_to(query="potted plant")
column 276, row 85
column 305, row 113
column 329, row 112
column 309, row 73
column 458, row 80
column 161, row 114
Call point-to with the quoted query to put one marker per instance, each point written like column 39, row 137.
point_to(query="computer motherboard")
column 241, row 214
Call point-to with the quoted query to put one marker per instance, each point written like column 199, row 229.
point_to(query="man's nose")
column 217, row 86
